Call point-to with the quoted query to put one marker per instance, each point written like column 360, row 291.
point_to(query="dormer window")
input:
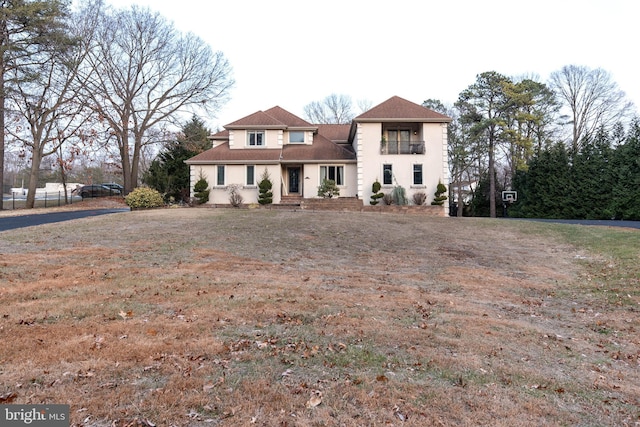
column 296, row 137
column 255, row 138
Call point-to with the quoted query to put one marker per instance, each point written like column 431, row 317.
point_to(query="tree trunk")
column 33, row 179
column 2, row 106
column 492, row 180
column 126, row 162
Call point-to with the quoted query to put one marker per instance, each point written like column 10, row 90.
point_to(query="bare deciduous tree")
column 26, row 27
column 46, row 107
column 594, row 100
column 143, row 73
column 334, row 109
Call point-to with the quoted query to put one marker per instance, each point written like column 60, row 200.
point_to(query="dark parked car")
column 97, row 190
column 114, row 186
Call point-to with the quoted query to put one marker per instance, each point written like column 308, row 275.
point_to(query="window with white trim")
column 251, row 175
column 333, row 173
column 220, row 175
column 417, row 174
column 255, row 138
column 387, row 174
column 296, row 137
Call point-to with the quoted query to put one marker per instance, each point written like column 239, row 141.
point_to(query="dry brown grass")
column 198, row 317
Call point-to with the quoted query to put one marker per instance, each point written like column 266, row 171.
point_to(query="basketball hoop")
column 509, row 196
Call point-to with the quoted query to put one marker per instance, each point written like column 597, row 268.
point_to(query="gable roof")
column 273, row 118
column 399, row 109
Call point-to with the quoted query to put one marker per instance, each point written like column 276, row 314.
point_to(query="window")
column 296, row 137
column 398, row 141
column 417, row 174
column 333, row 173
column 255, row 138
column 387, row 174
column 220, row 175
column 251, row 175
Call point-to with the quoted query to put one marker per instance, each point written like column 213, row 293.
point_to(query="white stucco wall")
column 371, row 161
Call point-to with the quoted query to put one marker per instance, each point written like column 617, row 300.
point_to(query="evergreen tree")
column 545, row 190
column 593, row 178
column 168, row 173
column 482, row 106
column 625, row 197
column 265, row 195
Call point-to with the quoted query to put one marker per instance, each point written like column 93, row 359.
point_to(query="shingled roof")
column 335, row 133
column 222, row 154
column 399, row 109
column 273, row 118
column 322, row 150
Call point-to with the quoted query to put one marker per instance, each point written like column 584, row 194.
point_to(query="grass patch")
column 233, row 317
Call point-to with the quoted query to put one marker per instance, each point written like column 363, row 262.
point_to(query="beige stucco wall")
column 236, row 174
column 275, row 138
column 371, row 161
column 311, row 179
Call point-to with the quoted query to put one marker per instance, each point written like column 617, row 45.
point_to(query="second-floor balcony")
column 401, row 147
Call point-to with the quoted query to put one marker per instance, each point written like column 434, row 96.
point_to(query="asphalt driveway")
column 19, row 221
column 602, row 223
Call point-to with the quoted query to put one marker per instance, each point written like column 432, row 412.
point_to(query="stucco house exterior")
column 398, row 143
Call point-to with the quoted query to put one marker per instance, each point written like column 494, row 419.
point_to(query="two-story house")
column 398, row 143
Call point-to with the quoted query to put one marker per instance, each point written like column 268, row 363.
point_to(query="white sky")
column 292, row 52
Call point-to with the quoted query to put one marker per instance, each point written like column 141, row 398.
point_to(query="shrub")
column 419, row 198
column 440, row 196
column 399, row 195
column 201, row 190
column 144, row 198
column 328, row 189
column 377, row 195
column 235, row 198
column 265, row 195
column 387, row 199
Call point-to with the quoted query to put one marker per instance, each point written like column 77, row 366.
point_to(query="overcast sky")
column 292, row 52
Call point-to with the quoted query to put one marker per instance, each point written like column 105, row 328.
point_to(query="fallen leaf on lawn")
column 381, row 378
column 314, row 401
column 8, row 397
column 126, row 314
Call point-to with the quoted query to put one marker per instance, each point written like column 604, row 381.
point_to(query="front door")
column 294, row 180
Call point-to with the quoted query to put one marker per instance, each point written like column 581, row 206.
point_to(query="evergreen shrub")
column 440, row 194
column 328, row 189
column 144, row 198
column 265, row 195
column 377, row 195
column 201, row 190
